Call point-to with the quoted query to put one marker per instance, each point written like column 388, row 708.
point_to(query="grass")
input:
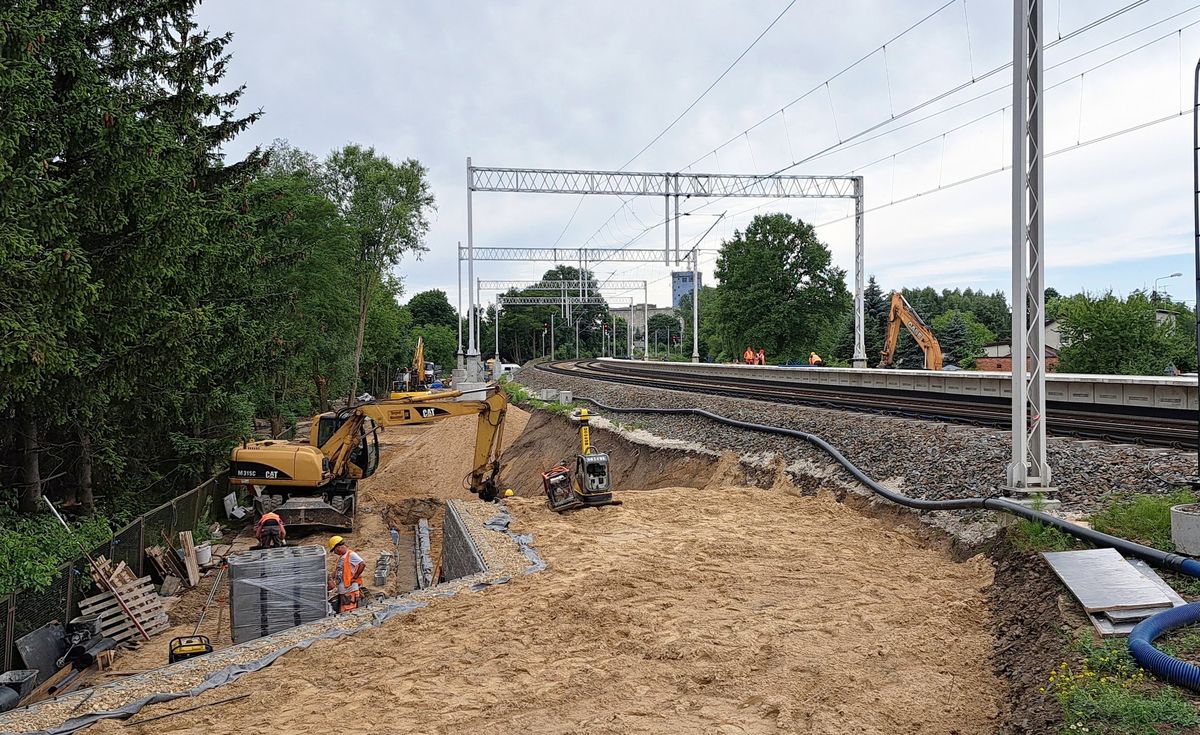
column 520, row 395
column 1145, row 519
column 1106, row 692
column 1035, row 537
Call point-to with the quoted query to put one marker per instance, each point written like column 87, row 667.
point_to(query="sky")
column 575, row 85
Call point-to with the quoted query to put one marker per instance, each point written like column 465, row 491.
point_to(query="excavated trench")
column 721, row 596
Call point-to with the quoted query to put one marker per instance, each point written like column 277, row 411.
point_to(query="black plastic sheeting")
column 499, row 522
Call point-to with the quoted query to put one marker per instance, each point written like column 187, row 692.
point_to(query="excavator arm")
column 425, row 409
column 903, row 313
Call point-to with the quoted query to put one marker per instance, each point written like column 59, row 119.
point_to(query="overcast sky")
column 586, row 85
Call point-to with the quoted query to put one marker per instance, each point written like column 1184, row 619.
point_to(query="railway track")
column 1153, row 427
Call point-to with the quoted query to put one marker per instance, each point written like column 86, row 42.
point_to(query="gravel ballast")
column 925, row 459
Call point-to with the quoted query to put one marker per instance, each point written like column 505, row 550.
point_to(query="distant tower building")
column 681, row 285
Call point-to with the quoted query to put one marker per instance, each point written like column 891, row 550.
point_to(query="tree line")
column 160, row 295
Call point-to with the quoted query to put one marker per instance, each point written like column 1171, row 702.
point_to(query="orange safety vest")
column 748, row 356
column 347, row 571
column 270, row 517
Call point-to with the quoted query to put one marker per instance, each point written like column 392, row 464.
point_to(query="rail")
column 1140, row 425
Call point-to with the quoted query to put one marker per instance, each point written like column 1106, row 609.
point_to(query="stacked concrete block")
column 276, row 589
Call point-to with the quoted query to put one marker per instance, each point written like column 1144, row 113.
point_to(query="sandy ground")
column 727, row 610
column 400, row 492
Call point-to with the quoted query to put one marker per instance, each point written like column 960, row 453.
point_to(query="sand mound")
column 728, row 610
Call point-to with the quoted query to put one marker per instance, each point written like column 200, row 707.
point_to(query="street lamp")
column 1163, row 278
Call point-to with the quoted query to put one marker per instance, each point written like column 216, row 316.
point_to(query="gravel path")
column 921, row 458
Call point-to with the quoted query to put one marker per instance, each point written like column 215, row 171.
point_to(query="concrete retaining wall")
column 460, row 557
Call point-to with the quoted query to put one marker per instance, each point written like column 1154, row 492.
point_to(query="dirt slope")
column 732, row 610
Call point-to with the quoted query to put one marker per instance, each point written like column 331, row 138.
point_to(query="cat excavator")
column 313, row 485
column 903, row 313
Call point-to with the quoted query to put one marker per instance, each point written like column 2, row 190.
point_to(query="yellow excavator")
column 313, row 485
column 418, row 378
column 903, row 313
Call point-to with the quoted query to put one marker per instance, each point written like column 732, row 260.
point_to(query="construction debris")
column 126, row 611
column 190, row 561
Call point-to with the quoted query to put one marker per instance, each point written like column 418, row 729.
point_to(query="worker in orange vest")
column 270, row 531
column 347, row 575
column 748, row 356
column 761, row 357
column 815, row 360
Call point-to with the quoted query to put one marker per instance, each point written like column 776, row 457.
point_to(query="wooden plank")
column 44, row 689
column 189, row 557
column 123, row 590
column 1102, row 580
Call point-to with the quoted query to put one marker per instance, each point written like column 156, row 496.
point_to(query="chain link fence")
column 24, row 611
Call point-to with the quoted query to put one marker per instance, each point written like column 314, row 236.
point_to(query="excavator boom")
column 315, row 484
column 902, row 313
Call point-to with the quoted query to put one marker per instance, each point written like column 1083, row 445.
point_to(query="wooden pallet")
column 142, row 602
column 105, row 574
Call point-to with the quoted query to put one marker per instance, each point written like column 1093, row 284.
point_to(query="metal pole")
column 645, row 321
column 667, row 223
column 695, row 305
column 473, row 372
column 629, row 333
column 576, row 339
column 1028, row 471
column 676, row 220
column 612, row 340
column 460, row 311
column 860, row 354
column 1196, row 214
column 496, row 364
column 552, row 335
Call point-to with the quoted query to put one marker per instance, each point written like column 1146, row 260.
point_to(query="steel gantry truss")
column 503, row 301
column 569, row 255
column 677, row 185
column 569, row 301
column 1028, row 470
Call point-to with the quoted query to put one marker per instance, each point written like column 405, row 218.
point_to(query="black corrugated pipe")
column 1140, row 640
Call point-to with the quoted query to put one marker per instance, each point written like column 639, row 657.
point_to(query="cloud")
column 578, row 85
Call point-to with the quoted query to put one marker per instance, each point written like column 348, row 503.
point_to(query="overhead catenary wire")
column 850, row 140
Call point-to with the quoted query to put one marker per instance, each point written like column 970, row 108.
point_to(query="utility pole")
column 552, row 335
column 496, row 364
column 1028, row 471
column 460, row 311
column 576, row 339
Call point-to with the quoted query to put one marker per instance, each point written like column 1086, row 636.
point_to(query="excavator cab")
column 366, row 455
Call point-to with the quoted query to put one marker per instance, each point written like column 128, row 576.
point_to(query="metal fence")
column 27, row 610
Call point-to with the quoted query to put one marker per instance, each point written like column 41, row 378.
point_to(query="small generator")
column 188, row 646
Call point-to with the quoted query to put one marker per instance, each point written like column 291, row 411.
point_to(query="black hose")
column 1173, row 562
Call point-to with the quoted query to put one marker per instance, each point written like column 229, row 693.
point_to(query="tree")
column 432, row 307
column 778, row 290
column 961, row 337
column 1109, row 335
column 385, row 206
column 875, row 323
column 664, row 329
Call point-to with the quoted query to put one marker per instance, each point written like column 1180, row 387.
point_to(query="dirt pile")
column 731, row 610
column 549, row 439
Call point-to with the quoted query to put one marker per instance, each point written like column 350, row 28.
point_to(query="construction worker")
column 270, row 531
column 761, row 357
column 748, row 356
column 347, row 575
column 815, row 360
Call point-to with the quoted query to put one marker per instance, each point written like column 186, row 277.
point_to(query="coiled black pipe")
column 1142, row 638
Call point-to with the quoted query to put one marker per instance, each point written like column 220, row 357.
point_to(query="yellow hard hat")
column 333, row 542
column 508, row 493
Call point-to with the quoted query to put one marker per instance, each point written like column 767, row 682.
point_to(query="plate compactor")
column 590, row 484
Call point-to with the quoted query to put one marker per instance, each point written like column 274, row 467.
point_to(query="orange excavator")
column 903, row 313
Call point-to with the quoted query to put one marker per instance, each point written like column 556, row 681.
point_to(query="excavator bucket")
column 314, row 514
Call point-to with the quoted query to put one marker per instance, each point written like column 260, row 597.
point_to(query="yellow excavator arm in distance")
column 902, row 312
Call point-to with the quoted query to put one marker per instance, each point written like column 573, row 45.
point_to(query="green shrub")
column 32, row 548
column 1034, row 536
